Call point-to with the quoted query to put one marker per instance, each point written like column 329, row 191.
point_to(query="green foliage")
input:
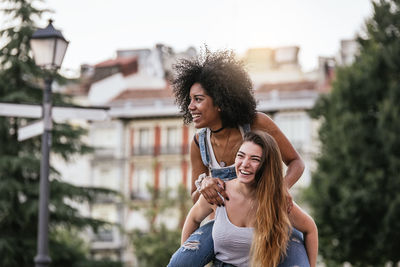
column 70, row 250
column 155, row 247
column 355, row 189
column 20, row 82
column 98, row 263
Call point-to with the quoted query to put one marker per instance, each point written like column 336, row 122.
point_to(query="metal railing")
column 160, row 150
column 142, row 151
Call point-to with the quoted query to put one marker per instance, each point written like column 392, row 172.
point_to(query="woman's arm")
column 197, row 168
column 210, row 187
column 196, row 215
column 293, row 161
column 304, row 223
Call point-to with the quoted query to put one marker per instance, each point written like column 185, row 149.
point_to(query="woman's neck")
column 217, row 130
column 247, row 190
column 221, row 133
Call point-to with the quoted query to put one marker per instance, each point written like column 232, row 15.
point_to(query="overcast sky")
column 97, row 28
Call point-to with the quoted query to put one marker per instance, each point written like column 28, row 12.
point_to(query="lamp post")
column 48, row 47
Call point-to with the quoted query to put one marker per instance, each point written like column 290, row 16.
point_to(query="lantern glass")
column 61, row 48
column 48, row 47
column 43, row 50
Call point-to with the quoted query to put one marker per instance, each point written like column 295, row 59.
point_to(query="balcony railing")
column 163, row 150
column 172, row 150
column 143, row 151
column 103, row 235
column 140, row 196
column 104, row 151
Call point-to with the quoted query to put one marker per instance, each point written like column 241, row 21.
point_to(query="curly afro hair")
column 224, row 79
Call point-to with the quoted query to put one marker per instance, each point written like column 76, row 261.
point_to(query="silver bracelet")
column 197, row 183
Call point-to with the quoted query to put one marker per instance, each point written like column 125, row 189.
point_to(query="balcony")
column 143, row 151
column 161, row 150
column 140, row 196
column 104, row 152
column 103, row 235
column 171, row 150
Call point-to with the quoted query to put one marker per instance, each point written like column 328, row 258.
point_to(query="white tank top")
column 213, row 159
column 231, row 243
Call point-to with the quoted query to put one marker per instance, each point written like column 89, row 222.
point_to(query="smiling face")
column 202, row 109
column 247, row 162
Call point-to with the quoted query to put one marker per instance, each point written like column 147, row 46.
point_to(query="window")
column 171, row 179
column 296, row 127
column 108, row 213
column 104, row 234
column 104, row 137
column 106, row 176
column 141, row 179
column 172, row 137
column 143, row 144
column 171, row 145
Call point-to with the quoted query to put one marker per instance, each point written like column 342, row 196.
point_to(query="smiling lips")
column 244, row 172
column 195, row 116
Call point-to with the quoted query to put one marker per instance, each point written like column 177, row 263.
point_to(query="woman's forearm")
column 294, row 171
column 195, row 196
column 188, row 228
column 311, row 243
column 196, row 215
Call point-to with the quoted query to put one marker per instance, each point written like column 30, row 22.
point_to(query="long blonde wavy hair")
column 272, row 227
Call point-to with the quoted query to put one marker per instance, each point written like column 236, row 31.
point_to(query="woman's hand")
column 213, row 189
column 289, row 200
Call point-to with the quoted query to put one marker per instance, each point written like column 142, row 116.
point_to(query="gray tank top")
column 231, row 243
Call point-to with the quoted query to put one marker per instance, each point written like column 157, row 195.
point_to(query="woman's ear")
column 219, row 109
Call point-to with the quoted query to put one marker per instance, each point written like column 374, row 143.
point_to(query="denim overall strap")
column 205, row 156
column 225, row 173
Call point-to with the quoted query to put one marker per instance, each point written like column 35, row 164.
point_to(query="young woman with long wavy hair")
column 253, row 227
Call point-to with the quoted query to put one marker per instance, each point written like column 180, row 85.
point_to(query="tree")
column 20, row 161
column 355, row 189
column 155, row 247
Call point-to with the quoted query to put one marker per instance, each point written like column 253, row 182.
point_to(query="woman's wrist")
column 198, row 182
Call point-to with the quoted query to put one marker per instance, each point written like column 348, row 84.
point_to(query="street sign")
column 58, row 113
column 20, row 110
column 91, row 114
column 31, row 130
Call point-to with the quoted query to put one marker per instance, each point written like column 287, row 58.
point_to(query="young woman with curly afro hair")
column 215, row 93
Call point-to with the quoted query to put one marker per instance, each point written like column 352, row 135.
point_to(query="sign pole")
column 42, row 259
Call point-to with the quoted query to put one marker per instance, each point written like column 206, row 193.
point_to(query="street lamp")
column 48, row 47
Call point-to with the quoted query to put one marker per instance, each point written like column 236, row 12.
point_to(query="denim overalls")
column 198, row 249
column 224, row 173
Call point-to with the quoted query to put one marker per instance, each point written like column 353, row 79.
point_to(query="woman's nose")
column 191, row 105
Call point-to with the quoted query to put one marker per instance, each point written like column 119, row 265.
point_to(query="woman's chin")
column 246, row 180
column 198, row 125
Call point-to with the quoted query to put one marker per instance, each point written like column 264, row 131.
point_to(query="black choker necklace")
column 216, row 131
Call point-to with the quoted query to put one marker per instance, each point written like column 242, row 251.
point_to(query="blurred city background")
column 119, row 190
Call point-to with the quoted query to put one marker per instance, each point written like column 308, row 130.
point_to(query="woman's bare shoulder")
column 263, row 122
